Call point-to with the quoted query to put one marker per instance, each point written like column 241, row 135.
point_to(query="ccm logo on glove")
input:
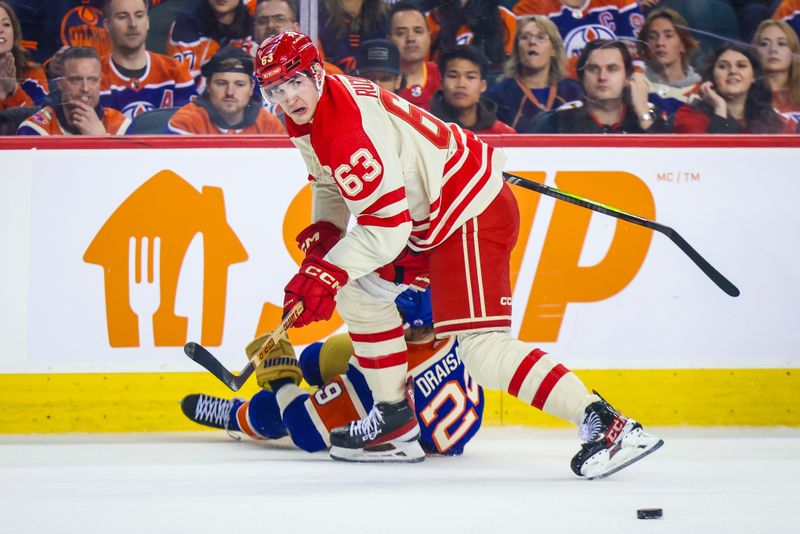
column 324, row 277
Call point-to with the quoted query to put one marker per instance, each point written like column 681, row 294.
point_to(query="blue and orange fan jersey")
column 47, row 25
column 188, row 44
column 465, row 36
column 47, row 121
column 448, row 402
column 31, row 92
column 595, row 19
column 164, row 84
column 789, row 12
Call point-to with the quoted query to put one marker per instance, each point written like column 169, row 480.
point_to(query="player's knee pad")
column 309, row 363
column 492, row 358
column 301, row 428
column 265, row 416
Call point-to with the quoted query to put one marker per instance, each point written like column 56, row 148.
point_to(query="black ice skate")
column 210, row 411
column 611, row 442
column 389, row 433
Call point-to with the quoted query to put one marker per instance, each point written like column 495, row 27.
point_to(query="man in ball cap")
column 378, row 60
column 227, row 106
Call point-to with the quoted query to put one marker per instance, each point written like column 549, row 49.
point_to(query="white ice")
column 509, row 480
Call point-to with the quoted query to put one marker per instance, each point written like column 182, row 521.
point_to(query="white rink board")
column 739, row 213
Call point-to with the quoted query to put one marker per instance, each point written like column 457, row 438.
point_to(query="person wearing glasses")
column 535, row 80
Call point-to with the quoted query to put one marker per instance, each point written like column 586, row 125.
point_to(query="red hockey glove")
column 318, row 239
column 409, row 268
column 316, row 285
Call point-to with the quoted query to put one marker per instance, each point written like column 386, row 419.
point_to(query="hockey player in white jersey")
column 428, row 197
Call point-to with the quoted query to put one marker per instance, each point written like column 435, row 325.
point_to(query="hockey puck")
column 649, row 513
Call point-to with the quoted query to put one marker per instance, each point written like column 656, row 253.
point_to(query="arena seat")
column 153, row 121
column 11, row 118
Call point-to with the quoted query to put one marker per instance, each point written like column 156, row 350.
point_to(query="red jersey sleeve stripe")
column 376, row 337
column 382, row 362
column 384, row 222
column 386, row 200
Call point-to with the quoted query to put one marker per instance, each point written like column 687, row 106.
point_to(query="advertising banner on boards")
column 132, row 253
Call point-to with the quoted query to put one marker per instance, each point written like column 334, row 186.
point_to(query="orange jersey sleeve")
column 786, row 9
column 192, row 119
column 115, row 122
column 19, row 98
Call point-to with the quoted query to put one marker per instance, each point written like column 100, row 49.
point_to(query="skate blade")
column 613, row 467
column 400, row 453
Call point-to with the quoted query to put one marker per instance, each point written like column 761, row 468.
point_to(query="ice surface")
column 509, row 480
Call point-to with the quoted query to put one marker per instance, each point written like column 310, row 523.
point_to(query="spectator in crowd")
column 461, row 100
column 615, row 97
column 228, row 105
column 789, row 12
column 667, row 48
column 250, row 4
column 22, row 82
column 195, row 37
column 408, row 29
column 378, row 60
column 74, row 109
column 345, row 24
column 750, row 13
column 134, row 79
column 580, row 22
column 481, row 23
column 779, row 53
column 534, row 75
column 49, row 25
column 735, row 98
column 275, row 16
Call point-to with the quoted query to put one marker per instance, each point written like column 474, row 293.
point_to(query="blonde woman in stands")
column 534, row 80
column 22, row 82
column 779, row 53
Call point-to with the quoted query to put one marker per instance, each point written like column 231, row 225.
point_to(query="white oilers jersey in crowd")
column 407, row 177
column 595, row 19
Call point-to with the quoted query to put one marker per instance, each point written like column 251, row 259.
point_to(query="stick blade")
column 201, row 355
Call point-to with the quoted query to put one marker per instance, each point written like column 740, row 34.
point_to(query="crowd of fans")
column 84, row 67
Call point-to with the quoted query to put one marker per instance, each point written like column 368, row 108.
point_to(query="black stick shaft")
column 715, row 276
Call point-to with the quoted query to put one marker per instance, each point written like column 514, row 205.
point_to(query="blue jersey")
column 449, row 403
column 164, row 84
column 595, row 19
column 47, row 25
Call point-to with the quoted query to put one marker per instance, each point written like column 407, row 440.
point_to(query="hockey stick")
column 201, row 355
column 676, row 238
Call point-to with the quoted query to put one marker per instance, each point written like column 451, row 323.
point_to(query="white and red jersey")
column 408, row 178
